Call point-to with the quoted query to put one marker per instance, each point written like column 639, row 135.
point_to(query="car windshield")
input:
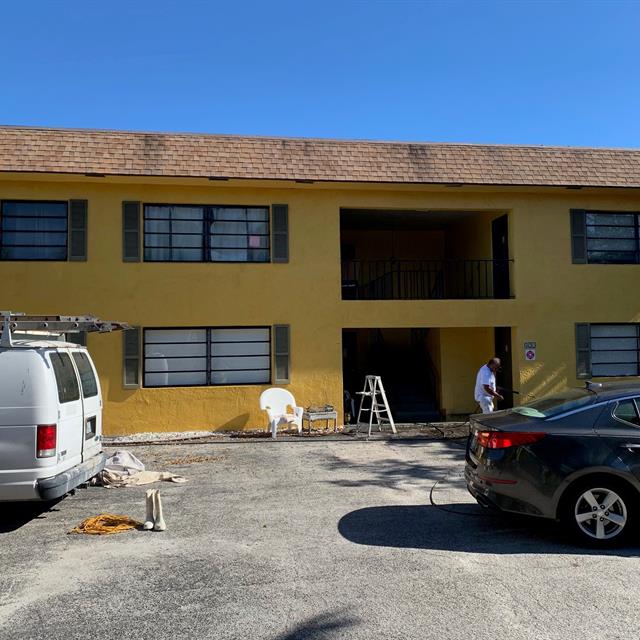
column 558, row 403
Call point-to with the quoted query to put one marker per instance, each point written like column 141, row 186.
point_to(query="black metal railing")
column 425, row 279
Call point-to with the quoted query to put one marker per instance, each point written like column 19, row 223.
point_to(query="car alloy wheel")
column 600, row 513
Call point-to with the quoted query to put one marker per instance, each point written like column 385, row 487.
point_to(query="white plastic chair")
column 275, row 402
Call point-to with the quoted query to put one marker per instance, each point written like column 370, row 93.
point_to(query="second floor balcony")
column 425, row 279
column 425, row 255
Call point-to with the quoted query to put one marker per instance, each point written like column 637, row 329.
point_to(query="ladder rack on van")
column 53, row 325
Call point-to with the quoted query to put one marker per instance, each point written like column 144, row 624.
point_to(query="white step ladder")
column 372, row 389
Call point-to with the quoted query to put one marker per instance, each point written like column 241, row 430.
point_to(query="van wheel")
column 599, row 512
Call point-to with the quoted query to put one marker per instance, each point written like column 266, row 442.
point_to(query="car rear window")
column 66, row 380
column 87, row 377
column 558, row 403
column 626, row 411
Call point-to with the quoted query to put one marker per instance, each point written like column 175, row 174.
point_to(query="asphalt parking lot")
column 307, row 539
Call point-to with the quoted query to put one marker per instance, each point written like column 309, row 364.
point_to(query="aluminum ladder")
column 372, row 389
column 52, row 325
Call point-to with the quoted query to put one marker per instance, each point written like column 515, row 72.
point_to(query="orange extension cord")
column 105, row 524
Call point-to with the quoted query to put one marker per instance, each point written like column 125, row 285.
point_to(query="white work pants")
column 486, row 404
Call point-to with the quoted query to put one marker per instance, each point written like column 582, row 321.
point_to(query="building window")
column 175, row 233
column 33, row 230
column 207, row 356
column 612, row 238
column 615, row 350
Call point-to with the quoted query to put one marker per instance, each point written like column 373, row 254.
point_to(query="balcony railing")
column 425, row 279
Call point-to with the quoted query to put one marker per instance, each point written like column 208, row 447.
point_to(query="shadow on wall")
column 320, row 626
column 239, row 422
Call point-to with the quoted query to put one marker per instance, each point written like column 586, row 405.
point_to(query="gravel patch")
column 431, row 430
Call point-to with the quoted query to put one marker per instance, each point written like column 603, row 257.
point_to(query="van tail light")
column 46, row 440
column 506, row 439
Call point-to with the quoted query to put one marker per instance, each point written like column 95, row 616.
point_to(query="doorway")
column 500, row 251
column 402, row 358
column 504, row 378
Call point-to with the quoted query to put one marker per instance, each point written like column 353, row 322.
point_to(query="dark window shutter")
column 131, row 232
column 583, row 351
column 578, row 236
column 78, row 230
column 79, row 338
column 280, row 233
column 131, row 358
column 282, row 353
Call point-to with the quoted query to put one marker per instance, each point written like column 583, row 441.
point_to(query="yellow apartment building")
column 246, row 262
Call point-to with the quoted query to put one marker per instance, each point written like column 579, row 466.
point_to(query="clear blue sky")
column 564, row 73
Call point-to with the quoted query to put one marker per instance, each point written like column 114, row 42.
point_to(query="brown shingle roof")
column 32, row 149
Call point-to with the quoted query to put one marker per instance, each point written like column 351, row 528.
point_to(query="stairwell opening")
column 406, row 359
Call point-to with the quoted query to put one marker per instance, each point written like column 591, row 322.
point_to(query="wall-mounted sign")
column 530, row 351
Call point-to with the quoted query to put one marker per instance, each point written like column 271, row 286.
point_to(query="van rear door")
column 70, row 418
column 92, row 404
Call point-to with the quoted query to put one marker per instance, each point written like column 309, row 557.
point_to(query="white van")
column 50, row 419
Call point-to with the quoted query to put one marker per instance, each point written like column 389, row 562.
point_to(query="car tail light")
column 46, row 441
column 505, row 439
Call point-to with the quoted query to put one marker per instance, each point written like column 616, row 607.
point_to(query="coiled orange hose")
column 105, row 524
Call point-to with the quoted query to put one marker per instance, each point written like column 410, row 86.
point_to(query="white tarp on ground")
column 124, row 462
column 123, row 469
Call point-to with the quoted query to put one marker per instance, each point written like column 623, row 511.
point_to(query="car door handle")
column 631, row 445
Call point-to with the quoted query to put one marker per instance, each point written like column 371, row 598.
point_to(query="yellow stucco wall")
column 470, row 238
column 462, row 353
column 551, row 293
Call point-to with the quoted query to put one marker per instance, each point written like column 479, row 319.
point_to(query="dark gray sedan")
column 574, row 457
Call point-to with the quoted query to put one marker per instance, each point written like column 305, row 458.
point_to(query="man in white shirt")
column 485, row 391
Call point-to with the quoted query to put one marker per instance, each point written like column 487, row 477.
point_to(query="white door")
column 70, row 415
column 92, row 404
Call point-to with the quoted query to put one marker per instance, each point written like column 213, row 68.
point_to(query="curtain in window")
column 612, row 237
column 238, row 234
column 34, row 230
column 240, row 356
column 175, row 357
column 173, row 233
column 178, row 357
